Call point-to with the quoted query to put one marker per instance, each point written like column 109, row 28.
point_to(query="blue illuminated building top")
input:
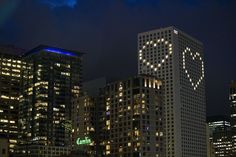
column 53, row 50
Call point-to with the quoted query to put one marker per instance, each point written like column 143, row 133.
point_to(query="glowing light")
column 194, row 56
column 85, row 141
column 154, row 44
column 176, row 32
column 54, row 50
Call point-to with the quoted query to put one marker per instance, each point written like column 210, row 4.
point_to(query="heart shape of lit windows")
column 155, row 44
column 193, row 56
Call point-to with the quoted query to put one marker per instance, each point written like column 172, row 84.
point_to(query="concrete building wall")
column 178, row 59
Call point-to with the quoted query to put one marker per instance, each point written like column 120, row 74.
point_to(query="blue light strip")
column 53, row 50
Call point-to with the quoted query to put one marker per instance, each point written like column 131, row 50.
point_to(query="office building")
column 133, row 119
column 84, row 125
column 87, row 111
column 210, row 146
column 232, row 99
column 51, row 80
column 220, row 135
column 178, row 59
column 217, row 122
column 10, row 77
column 222, row 142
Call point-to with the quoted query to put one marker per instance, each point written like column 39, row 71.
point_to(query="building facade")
column 51, row 79
column 178, row 59
column 133, row 118
column 220, row 135
column 10, row 77
column 4, row 146
column 232, row 99
column 210, row 146
column 84, row 125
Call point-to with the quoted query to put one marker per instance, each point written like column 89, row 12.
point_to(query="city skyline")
column 99, row 32
column 48, row 76
column 117, row 78
column 167, row 53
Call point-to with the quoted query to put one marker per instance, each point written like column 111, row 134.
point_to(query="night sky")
column 106, row 30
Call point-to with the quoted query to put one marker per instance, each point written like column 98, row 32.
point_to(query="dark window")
column 3, row 151
column 136, row 82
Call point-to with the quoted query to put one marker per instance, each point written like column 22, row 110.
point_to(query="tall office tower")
column 177, row 59
column 10, row 76
column 51, row 80
column 84, row 125
column 220, row 135
column 133, row 118
column 232, row 98
column 86, row 115
column 94, row 91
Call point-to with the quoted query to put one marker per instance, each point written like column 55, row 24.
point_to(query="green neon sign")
column 86, row 141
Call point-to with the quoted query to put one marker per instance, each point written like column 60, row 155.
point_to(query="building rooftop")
column 51, row 49
column 170, row 28
column 233, row 84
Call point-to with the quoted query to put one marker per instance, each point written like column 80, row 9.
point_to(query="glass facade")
column 51, row 79
column 10, row 76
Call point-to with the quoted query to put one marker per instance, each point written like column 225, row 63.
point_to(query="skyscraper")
column 88, row 120
column 51, row 80
column 210, row 146
column 10, row 77
column 133, row 118
column 232, row 98
column 84, row 125
column 220, row 135
column 177, row 59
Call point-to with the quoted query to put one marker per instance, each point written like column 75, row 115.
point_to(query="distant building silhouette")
column 232, row 99
column 220, row 135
